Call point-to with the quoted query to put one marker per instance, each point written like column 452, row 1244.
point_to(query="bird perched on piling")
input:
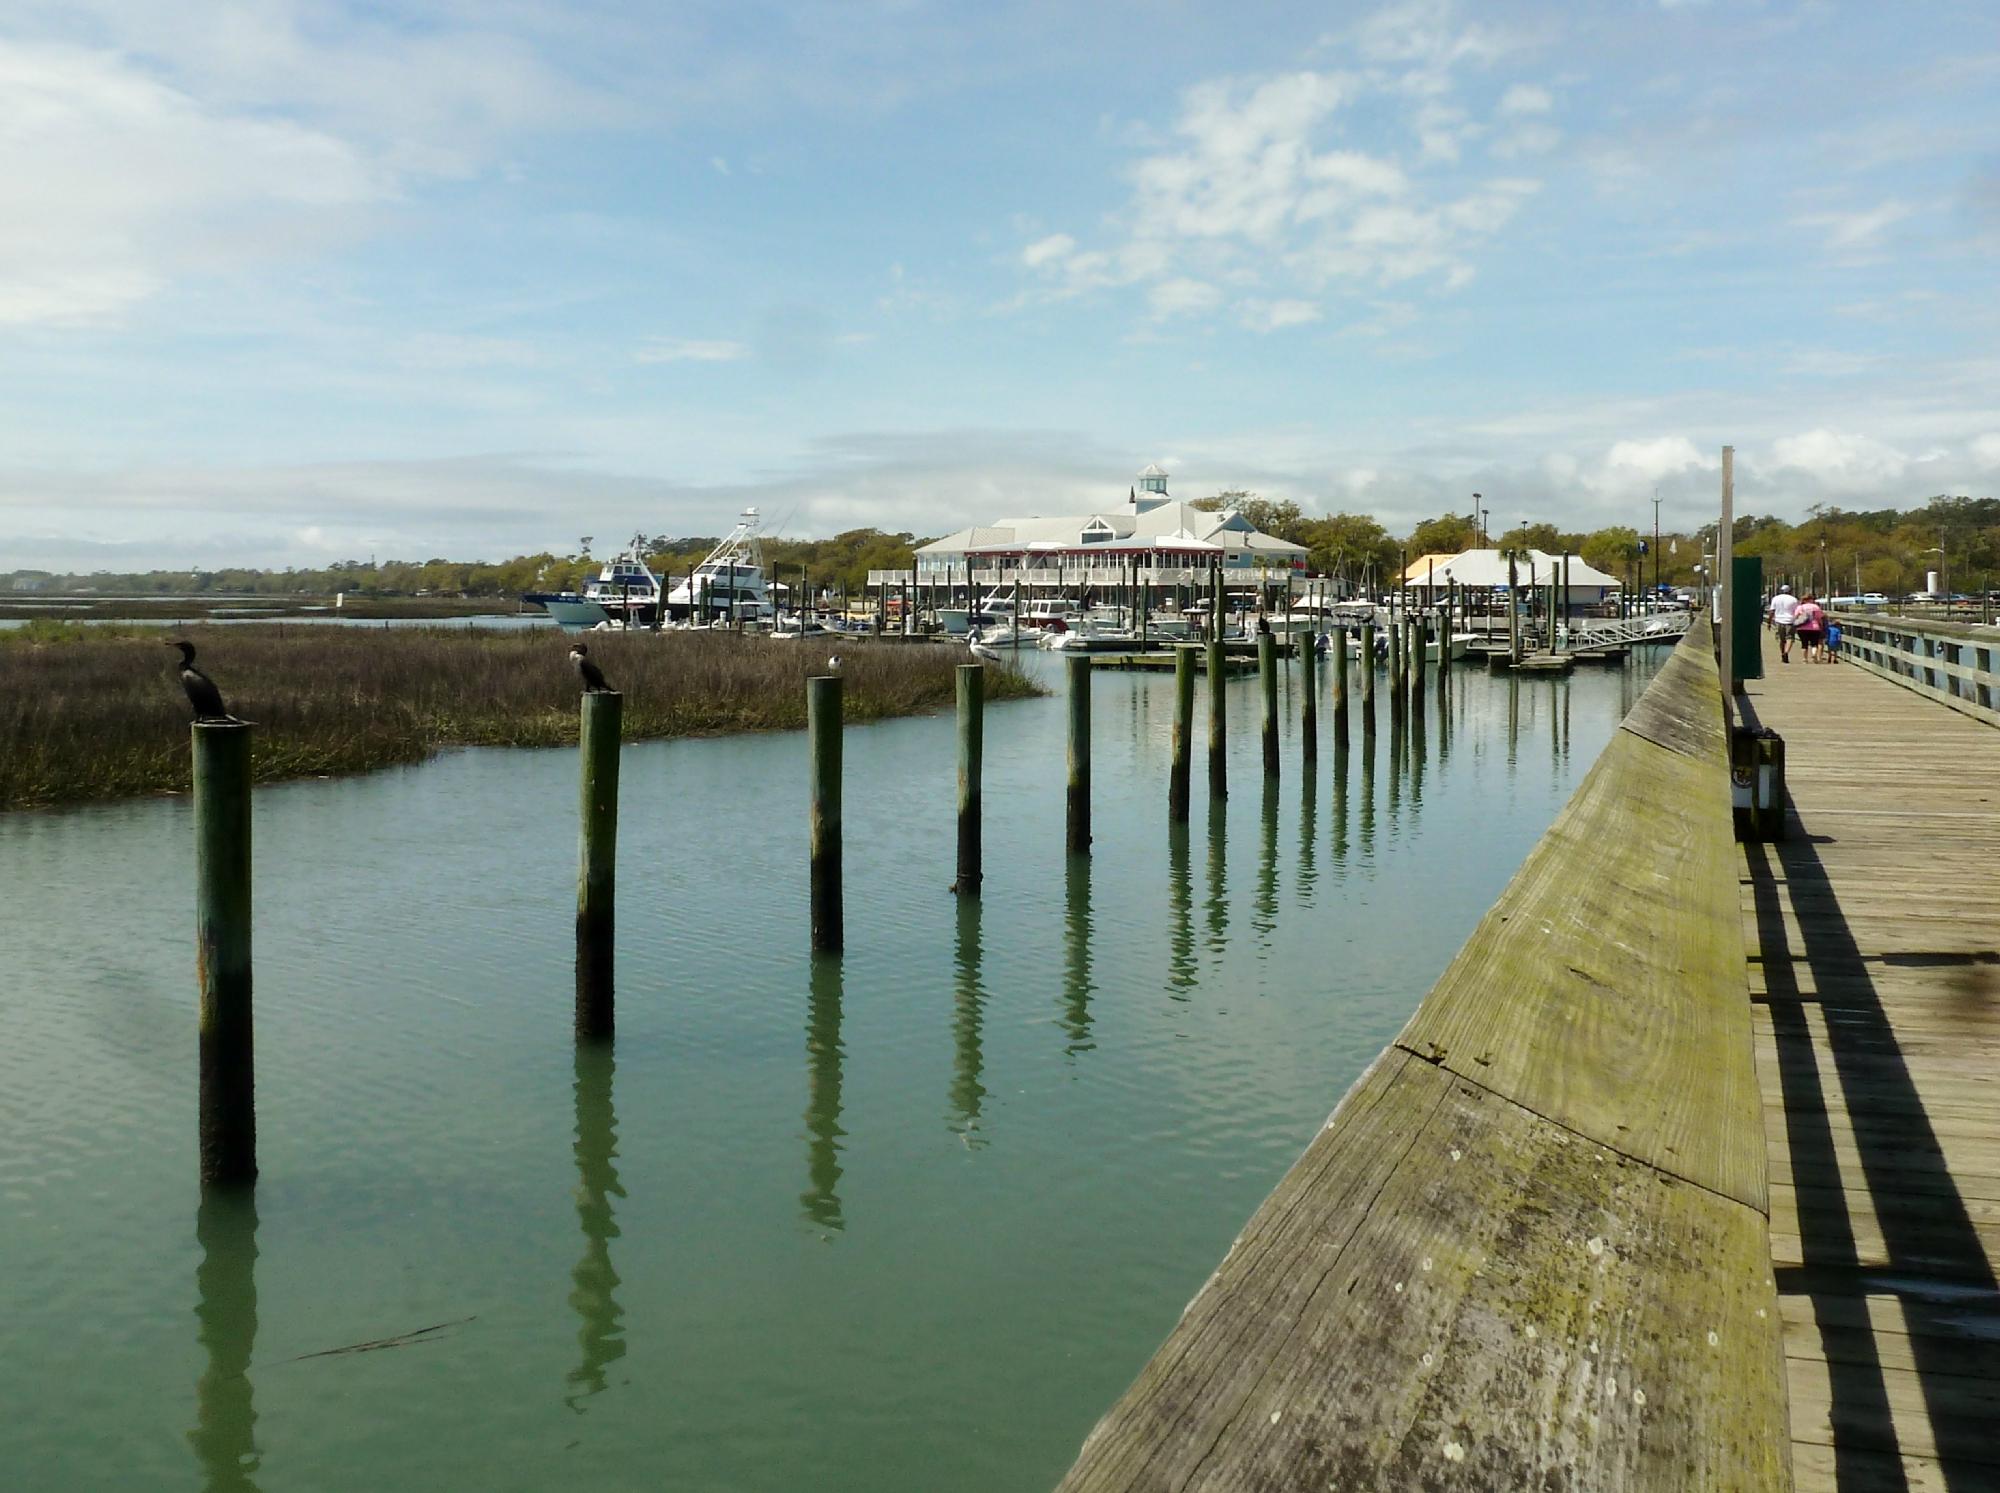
column 201, row 691
column 592, row 676
column 984, row 650
column 833, row 664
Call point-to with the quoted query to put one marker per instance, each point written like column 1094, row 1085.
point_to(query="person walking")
column 1809, row 622
column 1783, row 612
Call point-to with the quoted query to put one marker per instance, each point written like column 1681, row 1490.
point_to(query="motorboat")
column 728, row 584
column 623, row 594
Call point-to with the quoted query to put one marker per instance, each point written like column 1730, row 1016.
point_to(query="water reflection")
column 224, row 1434
column 1265, row 916
column 1218, row 875
column 1180, row 904
column 1308, row 830
column 1417, row 750
column 1340, row 809
column 1513, row 719
column 1076, row 954
column 968, row 1019
column 823, row 1062
column 594, row 1282
column 1399, row 736
column 1366, row 833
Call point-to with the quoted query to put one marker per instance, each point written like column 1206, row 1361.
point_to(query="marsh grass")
column 103, row 717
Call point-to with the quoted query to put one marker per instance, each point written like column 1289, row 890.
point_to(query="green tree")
column 1447, row 534
column 1611, row 550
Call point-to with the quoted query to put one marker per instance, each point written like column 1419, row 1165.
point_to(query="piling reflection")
column 1180, row 913
column 1076, row 954
column 1399, row 737
column 1418, row 751
column 968, row 1020
column 1218, row 875
column 1264, row 916
column 824, row 1055
column 1308, row 831
column 1513, row 719
column 593, row 1295
column 1365, row 814
column 224, row 1435
column 1340, row 805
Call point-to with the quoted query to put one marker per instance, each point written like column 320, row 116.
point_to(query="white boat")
column 728, row 585
column 1456, row 646
column 623, row 594
column 1006, row 635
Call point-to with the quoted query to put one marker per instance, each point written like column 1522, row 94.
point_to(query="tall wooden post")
column 1513, row 611
column 823, row 730
column 597, row 861
column 1340, row 688
column 228, row 1102
column 1368, row 678
column 1267, row 682
column 1218, row 739
column 1420, row 634
column 1309, row 706
column 971, row 746
column 1177, row 773
column 1077, row 667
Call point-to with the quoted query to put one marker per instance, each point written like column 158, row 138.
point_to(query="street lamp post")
column 1656, row 543
column 1478, row 523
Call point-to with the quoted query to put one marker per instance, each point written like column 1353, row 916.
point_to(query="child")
column 1832, row 642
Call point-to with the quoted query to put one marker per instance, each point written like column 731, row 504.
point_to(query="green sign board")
column 1746, row 621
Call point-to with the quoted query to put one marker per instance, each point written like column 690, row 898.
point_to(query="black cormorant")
column 201, row 690
column 593, row 677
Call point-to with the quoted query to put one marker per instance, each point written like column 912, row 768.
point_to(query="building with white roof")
column 1171, row 543
column 1486, row 570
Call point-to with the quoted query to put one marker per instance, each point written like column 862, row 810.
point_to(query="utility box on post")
column 1746, row 619
column 1757, row 783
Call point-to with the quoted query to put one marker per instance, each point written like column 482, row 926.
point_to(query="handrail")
column 1944, row 662
column 1531, row 1247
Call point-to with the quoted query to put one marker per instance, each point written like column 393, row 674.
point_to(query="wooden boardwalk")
column 1874, row 941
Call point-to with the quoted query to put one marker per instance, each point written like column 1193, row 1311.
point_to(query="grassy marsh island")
column 96, row 716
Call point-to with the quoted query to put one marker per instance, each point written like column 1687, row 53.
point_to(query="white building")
column 1171, row 543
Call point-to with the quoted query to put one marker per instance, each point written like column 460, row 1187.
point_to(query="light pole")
column 1478, row 523
column 1656, row 543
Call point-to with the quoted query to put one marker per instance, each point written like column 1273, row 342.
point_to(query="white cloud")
column 1273, row 316
column 1525, row 98
column 690, row 350
column 1986, row 451
column 1181, row 297
column 1053, row 249
column 1633, row 466
column 116, row 184
column 1856, row 230
column 1840, row 459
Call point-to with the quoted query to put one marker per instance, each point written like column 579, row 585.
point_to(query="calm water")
column 907, row 1219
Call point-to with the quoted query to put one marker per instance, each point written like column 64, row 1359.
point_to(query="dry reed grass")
column 105, row 718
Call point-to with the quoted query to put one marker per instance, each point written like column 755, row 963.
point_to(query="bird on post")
column 833, row 664
column 592, row 676
column 201, row 691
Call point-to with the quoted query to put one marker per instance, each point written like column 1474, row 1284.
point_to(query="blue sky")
column 292, row 282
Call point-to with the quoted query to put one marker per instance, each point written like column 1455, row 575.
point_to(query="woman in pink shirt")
column 1810, row 623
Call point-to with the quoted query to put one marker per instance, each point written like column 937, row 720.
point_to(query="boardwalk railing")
column 1531, row 1247
column 1946, row 663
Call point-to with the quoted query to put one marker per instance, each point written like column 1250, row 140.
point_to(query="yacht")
column 728, row 585
column 623, row 594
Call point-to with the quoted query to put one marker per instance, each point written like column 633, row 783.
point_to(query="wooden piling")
column 1077, row 668
column 1340, row 687
column 1309, row 705
column 1177, row 773
column 1218, row 736
column 1368, row 677
column 1267, row 679
column 1420, row 627
column 597, row 860
column 228, row 1101
column 823, row 731
column 971, row 746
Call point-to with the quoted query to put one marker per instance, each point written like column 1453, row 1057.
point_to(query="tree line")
column 1832, row 549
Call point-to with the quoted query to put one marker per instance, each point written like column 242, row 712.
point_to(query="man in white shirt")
column 1783, row 605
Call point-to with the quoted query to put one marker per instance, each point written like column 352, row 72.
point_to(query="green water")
column 906, row 1219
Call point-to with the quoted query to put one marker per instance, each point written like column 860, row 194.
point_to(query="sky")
column 291, row 282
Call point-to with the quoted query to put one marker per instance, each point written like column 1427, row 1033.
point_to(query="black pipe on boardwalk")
column 1531, row 1247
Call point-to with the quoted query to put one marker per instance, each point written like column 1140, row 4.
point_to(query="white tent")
column 1485, row 570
